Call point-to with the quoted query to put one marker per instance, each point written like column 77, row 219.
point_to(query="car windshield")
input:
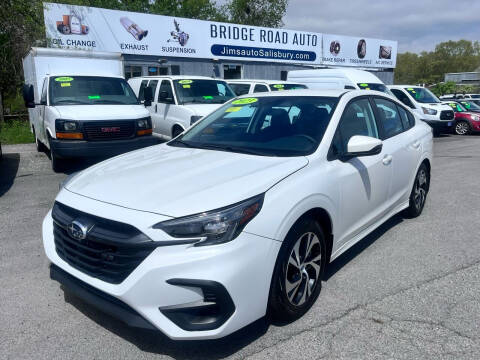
column 279, row 87
column 267, row 126
column 90, row 90
column 192, row 91
column 456, row 107
column 475, row 96
column 422, row 95
column 374, row 86
column 470, row 105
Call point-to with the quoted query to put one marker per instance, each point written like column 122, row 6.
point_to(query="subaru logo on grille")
column 77, row 230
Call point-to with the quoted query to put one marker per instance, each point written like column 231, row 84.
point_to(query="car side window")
column 166, row 86
column 260, row 88
column 400, row 95
column 389, row 117
column 404, row 116
column 43, row 98
column 357, row 119
column 240, row 89
column 141, row 91
column 153, row 85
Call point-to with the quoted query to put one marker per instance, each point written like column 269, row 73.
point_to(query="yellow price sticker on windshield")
column 278, row 86
column 64, row 79
column 233, row 109
column 65, row 84
column 244, row 101
column 187, row 86
column 185, row 82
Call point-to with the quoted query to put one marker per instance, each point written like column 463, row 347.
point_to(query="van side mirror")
column 148, row 96
column 359, row 145
column 28, row 96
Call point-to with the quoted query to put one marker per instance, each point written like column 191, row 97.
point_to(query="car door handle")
column 387, row 159
column 416, row 144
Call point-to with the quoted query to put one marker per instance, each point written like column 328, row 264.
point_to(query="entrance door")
column 232, row 71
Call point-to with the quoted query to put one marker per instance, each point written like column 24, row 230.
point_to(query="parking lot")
column 409, row 290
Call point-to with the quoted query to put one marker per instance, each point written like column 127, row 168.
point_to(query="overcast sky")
column 416, row 24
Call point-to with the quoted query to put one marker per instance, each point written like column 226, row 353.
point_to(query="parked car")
column 338, row 79
column 79, row 105
column 242, row 87
column 470, row 105
column 180, row 101
column 427, row 106
column 241, row 213
column 466, row 121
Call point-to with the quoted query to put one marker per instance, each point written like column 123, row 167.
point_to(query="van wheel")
column 298, row 273
column 177, row 130
column 38, row 144
column 57, row 163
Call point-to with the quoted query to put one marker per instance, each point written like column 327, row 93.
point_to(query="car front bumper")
column 174, row 277
column 440, row 125
column 82, row 148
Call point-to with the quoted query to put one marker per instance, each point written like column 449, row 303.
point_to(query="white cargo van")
column 245, row 86
column 179, row 101
column 337, row 79
column 81, row 106
column 427, row 106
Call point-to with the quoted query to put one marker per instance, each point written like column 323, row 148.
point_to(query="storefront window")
column 132, row 71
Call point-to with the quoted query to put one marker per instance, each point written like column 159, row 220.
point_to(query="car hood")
column 202, row 109
column 101, row 112
column 435, row 106
column 175, row 181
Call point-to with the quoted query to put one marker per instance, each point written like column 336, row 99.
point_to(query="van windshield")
column 196, row 91
column 374, row 86
column 90, row 90
column 279, row 87
column 264, row 126
column 422, row 95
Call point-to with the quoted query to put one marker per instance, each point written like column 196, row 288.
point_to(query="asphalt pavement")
column 410, row 290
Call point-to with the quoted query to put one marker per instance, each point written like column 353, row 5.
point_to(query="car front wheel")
column 298, row 272
column 418, row 196
column 462, row 128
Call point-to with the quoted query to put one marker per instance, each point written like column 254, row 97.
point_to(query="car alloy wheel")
column 462, row 128
column 303, row 269
column 420, row 189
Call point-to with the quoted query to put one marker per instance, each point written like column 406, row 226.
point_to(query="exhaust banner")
column 96, row 29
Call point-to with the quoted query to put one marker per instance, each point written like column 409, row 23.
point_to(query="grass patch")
column 16, row 131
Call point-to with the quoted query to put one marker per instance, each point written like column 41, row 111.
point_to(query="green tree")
column 268, row 13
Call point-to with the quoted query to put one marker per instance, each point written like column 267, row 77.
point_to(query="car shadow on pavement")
column 158, row 343
column 8, row 171
column 360, row 246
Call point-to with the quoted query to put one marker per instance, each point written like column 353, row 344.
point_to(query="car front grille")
column 107, row 130
column 110, row 251
column 447, row 115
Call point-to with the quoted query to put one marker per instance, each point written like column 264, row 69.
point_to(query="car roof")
column 177, row 77
column 261, row 81
column 319, row 93
column 404, row 86
column 354, row 75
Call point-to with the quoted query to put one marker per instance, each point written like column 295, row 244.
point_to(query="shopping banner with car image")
column 88, row 28
column 357, row 51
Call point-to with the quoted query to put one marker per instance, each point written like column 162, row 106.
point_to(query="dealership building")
column 163, row 45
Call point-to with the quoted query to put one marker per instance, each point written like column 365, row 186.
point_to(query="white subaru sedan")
column 239, row 216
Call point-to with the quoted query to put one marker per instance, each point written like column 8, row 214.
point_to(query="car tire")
column 418, row 196
column 298, row 273
column 462, row 128
column 57, row 163
column 176, row 131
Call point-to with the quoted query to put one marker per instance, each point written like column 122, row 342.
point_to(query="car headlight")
column 66, row 125
column 144, row 123
column 214, row 227
column 474, row 117
column 194, row 119
column 429, row 111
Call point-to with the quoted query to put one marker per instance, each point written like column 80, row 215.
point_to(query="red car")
column 466, row 122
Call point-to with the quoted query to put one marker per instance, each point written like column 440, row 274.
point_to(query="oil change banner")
column 359, row 52
column 96, row 29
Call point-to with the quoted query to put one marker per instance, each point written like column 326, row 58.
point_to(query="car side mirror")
column 148, row 96
column 28, row 96
column 359, row 145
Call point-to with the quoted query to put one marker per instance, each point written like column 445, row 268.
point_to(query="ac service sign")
column 88, row 28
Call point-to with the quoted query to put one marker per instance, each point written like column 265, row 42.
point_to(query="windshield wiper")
column 71, row 102
column 181, row 142
column 234, row 149
column 113, row 102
